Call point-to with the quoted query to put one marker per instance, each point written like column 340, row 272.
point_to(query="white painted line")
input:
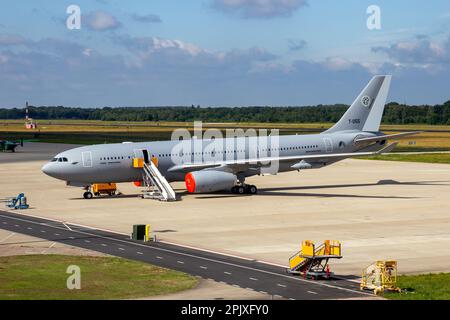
column 16, row 225
column 205, row 250
column 312, row 292
column 254, row 279
column 139, row 252
column 87, row 241
column 158, row 257
column 43, row 231
column 291, row 299
column 57, row 234
column 30, row 228
column 12, row 234
column 226, row 272
column 66, row 226
column 121, row 249
column 104, row 245
column 281, row 285
column 202, row 267
column 73, row 238
column 204, row 258
column 180, row 262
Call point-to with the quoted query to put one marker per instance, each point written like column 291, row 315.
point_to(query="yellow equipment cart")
column 109, row 189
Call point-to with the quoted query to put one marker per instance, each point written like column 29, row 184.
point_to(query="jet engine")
column 209, row 181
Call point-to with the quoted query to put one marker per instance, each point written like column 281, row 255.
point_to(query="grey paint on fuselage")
column 113, row 162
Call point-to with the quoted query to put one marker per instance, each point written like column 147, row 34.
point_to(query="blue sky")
column 221, row 52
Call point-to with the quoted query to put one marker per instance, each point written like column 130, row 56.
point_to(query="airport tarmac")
column 377, row 209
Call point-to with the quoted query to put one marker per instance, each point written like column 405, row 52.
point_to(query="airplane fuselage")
column 113, row 162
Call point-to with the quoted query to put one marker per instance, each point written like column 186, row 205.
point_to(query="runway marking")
column 104, row 245
column 180, row 262
column 73, row 238
column 51, row 246
column 57, row 234
column 66, row 226
column 30, row 228
column 87, row 241
column 16, row 225
column 202, row 267
column 226, row 272
column 121, row 249
column 200, row 258
column 3, row 240
column 312, row 292
column 158, row 257
column 253, row 279
column 281, row 285
column 139, row 252
column 43, row 231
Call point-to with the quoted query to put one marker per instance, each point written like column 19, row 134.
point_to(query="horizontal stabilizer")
column 386, row 137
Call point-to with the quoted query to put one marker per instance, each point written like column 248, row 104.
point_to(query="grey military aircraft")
column 226, row 167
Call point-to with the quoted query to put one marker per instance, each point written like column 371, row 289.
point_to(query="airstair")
column 313, row 262
column 157, row 186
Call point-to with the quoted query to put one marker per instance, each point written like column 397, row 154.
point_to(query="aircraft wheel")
column 252, row 189
column 88, row 195
column 240, row 190
column 233, row 190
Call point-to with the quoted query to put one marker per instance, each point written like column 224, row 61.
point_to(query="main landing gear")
column 244, row 189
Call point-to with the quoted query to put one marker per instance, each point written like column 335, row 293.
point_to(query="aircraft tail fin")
column 366, row 111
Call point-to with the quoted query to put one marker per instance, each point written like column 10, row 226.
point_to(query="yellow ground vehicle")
column 380, row 276
column 109, row 189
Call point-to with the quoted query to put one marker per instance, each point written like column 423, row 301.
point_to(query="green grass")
column 426, row 157
column 422, row 287
column 43, row 277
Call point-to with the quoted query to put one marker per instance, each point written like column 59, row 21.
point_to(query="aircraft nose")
column 49, row 170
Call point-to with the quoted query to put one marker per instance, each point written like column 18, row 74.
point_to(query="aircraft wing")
column 385, row 137
column 261, row 162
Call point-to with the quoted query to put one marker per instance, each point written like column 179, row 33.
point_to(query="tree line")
column 394, row 113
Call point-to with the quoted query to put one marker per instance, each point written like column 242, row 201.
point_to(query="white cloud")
column 100, row 21
column 12, row 40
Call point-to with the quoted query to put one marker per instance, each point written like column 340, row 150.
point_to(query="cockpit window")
column 60, row 159
column 54, row 159
column 65, row 160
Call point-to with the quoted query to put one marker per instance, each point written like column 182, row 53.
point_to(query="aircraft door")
column 87, row 159
column 328, row 144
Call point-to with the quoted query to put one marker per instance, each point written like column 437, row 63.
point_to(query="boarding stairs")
column 312, row 261
column 157, row 186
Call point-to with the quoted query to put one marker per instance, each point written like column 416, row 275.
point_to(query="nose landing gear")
column 88, row 195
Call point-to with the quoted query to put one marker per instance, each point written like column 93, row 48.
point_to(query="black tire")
column 233, row 190
column 252, row 189
column 240, row 190
column 88, row 195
